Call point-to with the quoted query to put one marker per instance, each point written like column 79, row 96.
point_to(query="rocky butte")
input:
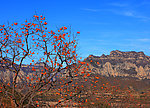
column 121, row 64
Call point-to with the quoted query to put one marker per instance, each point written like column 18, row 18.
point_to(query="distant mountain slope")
column 118, row 63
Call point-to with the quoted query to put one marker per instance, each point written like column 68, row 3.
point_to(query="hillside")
column 117, row 64
column 124, row 64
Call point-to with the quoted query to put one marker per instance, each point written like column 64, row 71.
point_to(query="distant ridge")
column 119, row 63
column 129, row 64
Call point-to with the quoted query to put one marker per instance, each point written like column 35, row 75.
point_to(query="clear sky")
column 105, row 25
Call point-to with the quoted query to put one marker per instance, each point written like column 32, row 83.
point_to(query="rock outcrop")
column 124, row 64
column 117, row 64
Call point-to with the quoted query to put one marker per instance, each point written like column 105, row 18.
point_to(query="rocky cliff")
column 116, row 64
column 123, row 64
column 7, row 72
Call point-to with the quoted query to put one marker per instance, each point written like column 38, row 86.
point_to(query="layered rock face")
column 7, row 74
column 118, row 63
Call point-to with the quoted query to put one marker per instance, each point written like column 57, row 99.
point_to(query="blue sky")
column 105, row 25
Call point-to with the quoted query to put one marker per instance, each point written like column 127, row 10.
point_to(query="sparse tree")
column 51, row 57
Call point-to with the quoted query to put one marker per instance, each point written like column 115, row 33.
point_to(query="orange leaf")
column 45, row 23
column 15, row 23
column 97, row 77
column 65, row 28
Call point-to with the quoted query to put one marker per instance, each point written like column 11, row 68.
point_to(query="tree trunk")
column 12, row 104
